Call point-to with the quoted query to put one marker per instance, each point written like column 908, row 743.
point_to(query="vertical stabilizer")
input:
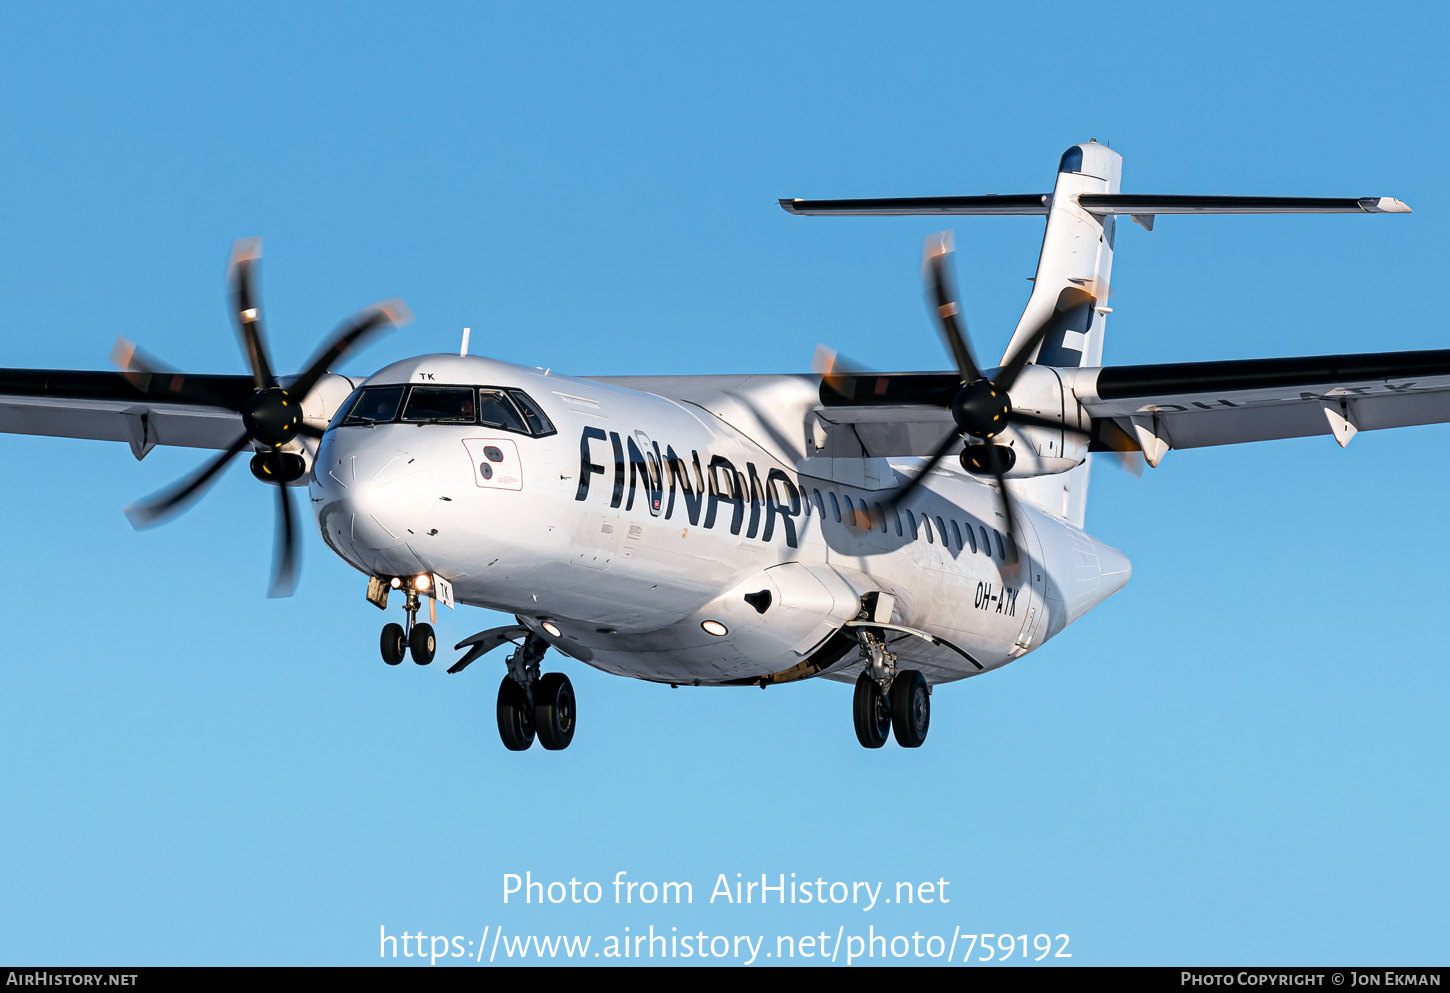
column 1077, row 255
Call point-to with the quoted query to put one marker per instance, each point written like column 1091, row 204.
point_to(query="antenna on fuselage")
column 462, row 351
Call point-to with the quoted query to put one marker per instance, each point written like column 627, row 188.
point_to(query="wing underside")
column 142, row 411
column 1198, row 404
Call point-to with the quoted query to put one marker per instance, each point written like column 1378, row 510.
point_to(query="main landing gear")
column 888, row 700
column 533, row 706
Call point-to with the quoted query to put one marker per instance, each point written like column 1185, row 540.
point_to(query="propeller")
column 271, row 416
column 981, row 407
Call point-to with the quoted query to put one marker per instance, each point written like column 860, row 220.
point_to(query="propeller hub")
column 271, row 417
column 981, row 409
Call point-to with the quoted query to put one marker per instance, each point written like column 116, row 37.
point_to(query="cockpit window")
column 377, row 403
column 538, row 421
column 496, row 407
column 1071, row 160
column 495, row 410
column 440, row 404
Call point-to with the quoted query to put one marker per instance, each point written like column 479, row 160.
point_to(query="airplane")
column 739, row 530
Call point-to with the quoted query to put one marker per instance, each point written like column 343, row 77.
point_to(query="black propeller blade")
column 285, row 552
column 176, row 498
column 272, row 415
column 980, row 406
column 247, row 309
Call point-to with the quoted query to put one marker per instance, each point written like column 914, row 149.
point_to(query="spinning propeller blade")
column 272, row 415
column 981, row 407
column 247, row 309
column 176, row 498
column 286, row 552
column 942, row 296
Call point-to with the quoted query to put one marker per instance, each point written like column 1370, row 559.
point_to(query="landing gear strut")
column 531, row 705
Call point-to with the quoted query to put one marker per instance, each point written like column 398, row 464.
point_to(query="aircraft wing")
column 1196, row 404
column 143, row 410
column 1177, row 405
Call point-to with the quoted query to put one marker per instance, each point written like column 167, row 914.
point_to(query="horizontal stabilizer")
column 1139, row 203
column 1014, row 203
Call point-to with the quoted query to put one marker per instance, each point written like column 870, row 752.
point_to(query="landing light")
column 715, row 627
column 552, row 629
column 396, row 583
column 422, row 582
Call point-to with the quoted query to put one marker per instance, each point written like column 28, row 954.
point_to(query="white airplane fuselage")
column 643, row 517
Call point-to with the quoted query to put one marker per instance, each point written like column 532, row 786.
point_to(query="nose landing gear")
column 413, row 639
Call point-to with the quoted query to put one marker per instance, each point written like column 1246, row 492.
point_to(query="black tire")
column 422, row 643
column 910, row 708
column 394, row 644
column 872, row 713
column 515, row 719
column 554, row 711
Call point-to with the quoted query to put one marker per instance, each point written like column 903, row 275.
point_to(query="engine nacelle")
column 318, row 409
column 1041, row 451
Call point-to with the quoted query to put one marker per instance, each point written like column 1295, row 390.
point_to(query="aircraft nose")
column 376, row 500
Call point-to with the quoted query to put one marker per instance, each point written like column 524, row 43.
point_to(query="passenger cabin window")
column 911, row 520
column 820, row 507
column 375, row 404
column 986, row 542
column 439, row 405
column 1001, row 551
column 972, row 538
column 835, row 507
column 850, row 512
column 926, row 527
column 957, row 535
column 897, row 514
column 941, row 529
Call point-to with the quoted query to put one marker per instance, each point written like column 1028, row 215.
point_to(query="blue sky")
column 1240, row 758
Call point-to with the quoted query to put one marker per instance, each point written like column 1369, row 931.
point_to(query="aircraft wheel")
column 422, row 643
column 872, row 712
column 394, row 644
column 515, row 717
column 554, row 712
column 910, row 708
